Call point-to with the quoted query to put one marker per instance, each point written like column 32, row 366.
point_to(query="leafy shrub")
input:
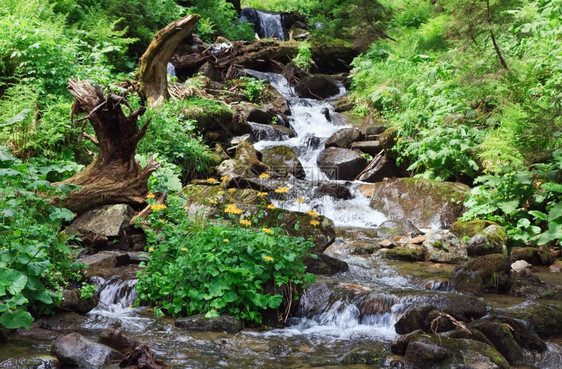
column 528, row 203
column 217, row 268
column 303, row 59
column 218, row 18
column 253, row 88
column 34, row 255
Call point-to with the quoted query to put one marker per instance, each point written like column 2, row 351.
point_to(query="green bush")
column 35, row 258
column 218, row 268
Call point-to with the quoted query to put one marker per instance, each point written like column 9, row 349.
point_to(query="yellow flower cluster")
column 262, row 194
column 150, row 196
column 268, row 258
column 283, row 189
column 226, row 240
column 313, row 213
column 231, row 190
column 232, row 209
column 245, row 222
column 267, row 230
column 271, row 206
column 184, row 249
column 150, row 249
column 264, row 176
column 300, row 200
column 314, row 222
column 212, row 180
column 213, row 202
column 225, row 178
column 157, row 207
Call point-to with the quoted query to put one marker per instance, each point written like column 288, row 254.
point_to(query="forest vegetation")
column 472, row 91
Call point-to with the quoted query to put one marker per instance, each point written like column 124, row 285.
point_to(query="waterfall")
column 266, row 24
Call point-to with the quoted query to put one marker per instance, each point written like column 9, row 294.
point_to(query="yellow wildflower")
column 314, row 222
column 283, row 189
column 538, row 184
column 267, row 230
column 76, row 214
column 150, row 196
column 231, row 190
column 186, row 207
column 262, row 194
column 184, row 249
column 150, row 249
column 157, row 207
column 213, row 202
column 268, row 258
column 300, row 200
column 313, row 213
column 226, row 240
column 264, row 176
column 232, row 209
column 271, row 206
column 400, row 139
column 225, row 178
column 245, row 222
column 394, row 138
column 161, row 220
column 212, row 180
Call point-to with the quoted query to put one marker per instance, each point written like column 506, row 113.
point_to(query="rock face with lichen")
column 426, row 203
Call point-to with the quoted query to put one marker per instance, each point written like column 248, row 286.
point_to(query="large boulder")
column 318, row 86
column 106, row 221
column 73, row 301
column 344, row 138
column 382, row 168
column 75, row 349
column 544, row 318
column 426, row 203
column 368, row 147
column 246, row 163
column 283, row 161
column 485, row 273
column 492, row 240
column 270, row 132
column 342, row 164
column 199, row 323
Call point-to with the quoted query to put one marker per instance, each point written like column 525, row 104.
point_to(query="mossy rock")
column 426, row 203
column 283, row 161
column 469, row 228
column 545, row 318
column 403, row 254
column 485, row 273
column 366, row 357
column 529, row 254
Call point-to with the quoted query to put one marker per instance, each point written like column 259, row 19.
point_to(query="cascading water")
column 266, row 24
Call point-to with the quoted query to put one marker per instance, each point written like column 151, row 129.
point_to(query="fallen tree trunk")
column 114, row 176
column 152, row 64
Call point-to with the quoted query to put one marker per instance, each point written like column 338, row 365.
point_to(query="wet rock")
column 485, row 273
column 426, row 203
column 524, row 334
column 274, row 101
column 75, row 349
column 529, row 254
column 342, row 104
column 400, row 343
column 107, row 221
column 335, row 190
column 404, row 254
column 382, row 168
column 525, row 284
column 442, row 246
column 491, row 240
column 547, row 258
column 39, row 362
column 283, row 161
column 72, row 301
column 501, row 337
column 208, row 70
column 323, row 264
column 556, row 267
column 544, row 318
column 368, row 147
column 199, row 323
column 270, row 132
column 440, row 352
column 342, row 164
column 365, row 357
column 246, row 163
column 318, row 86
column 259, row 115
column 391, row 228
column 344, row 138
column 519, row 266
column 104, row 259
column 115, row 339
column 62, row 322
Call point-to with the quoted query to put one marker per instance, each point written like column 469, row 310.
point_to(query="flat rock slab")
column 77, row 350
column 108, row 221
column 199, row 323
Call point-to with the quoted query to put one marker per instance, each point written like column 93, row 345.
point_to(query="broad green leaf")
column 16, row 319
column 538, row 214
column 44, row 296
column 508, row 207
column 523, row 223
column 552, row 187
column 555, row 212
column 523, row 178
column 13, row 280
column 212, row 314
column 62, row 213
column 17, row 118
column 551, row 234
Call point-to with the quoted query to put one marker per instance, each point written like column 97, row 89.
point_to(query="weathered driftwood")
column 114, row 176
column 141, row 357
column 151, row 73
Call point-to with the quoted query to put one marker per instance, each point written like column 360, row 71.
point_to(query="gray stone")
column 485, row 273
column 344, row 138
column 318, row 86
column 382, row 168
column 283, row 161
column 77, row 350
column 108, row 221
column 391, row 228
column 426, row 203
column 72, row 301
column 270, row 132
column 342, row 164
column 368, row 147
column 491, row 240
column 441, row 246
column 258, row 115
column 199, row 323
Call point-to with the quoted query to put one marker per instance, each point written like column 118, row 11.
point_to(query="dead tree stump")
column 114, row 176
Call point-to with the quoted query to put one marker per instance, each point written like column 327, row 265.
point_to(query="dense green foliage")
column 34, row 255
column 215, row 268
